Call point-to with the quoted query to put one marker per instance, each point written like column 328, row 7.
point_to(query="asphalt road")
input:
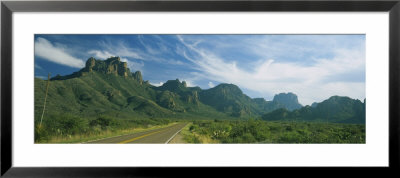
column 161, row 135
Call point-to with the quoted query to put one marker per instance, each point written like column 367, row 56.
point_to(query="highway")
column 155, row 136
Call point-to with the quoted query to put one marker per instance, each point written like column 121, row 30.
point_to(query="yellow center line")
column 136, row 138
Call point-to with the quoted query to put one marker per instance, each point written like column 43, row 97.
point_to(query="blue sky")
column 314, row 67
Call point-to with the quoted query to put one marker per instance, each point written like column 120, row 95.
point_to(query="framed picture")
column 261, row 84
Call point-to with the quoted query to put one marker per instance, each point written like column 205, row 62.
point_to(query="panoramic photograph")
column 199, row 89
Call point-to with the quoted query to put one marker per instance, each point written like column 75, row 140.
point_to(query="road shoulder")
column 179, row 138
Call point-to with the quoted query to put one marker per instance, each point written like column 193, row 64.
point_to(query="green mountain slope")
column 336, row 109
column 108, row 88
column 228, row 98
column 105, row 90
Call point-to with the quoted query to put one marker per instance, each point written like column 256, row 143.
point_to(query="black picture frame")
column 8, row 7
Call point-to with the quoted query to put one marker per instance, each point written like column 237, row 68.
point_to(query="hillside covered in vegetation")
column 105, row 94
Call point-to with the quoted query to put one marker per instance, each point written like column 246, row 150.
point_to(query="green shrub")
column 257, row 131
column 101, row 121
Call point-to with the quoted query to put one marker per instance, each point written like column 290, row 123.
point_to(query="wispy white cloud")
column 121, row 51
column 100, row 54
column 119, row 48
column 211, row 85
column 57, row 54
column 135, row 66
column 270, row 77
column 157, row 84
column 189, row 82
column 149, row 48
column 135, row 57
column 156, row 50
column 175, row 62
column 38, row 67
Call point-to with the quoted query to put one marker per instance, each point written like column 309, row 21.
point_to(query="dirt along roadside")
column 179, row 138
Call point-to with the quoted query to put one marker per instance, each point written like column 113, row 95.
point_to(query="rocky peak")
column 138, row 77
column 289, row 100
column 229, row 89
column 90, row 64
column 112, row 65
column 174, row 86
column 175, row 82
column 191, row 97
column 314, row 104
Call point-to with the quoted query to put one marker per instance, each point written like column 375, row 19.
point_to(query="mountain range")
column 108, row 87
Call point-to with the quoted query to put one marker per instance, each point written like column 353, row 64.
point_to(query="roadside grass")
column 87, row 137
column 191, row 136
